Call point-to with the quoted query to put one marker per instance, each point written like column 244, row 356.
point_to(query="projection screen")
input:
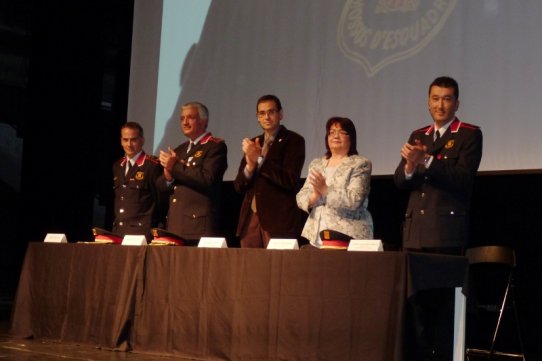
column 371, row 61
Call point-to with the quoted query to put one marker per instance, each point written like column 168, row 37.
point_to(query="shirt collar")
column 134, row 159
column 274, row 135
column 443, row 129
column 197, row 140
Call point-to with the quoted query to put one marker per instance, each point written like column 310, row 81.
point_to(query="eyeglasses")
column 270, row 112
column 334, row 132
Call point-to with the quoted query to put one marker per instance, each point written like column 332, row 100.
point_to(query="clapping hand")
column 167, row 160
column 252, row 150
column 413, row 154
column 319, row 186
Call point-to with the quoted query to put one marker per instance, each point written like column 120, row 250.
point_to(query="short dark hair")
column 133, row 125
column 348, row 126
column 267, row 98
column 445, row 82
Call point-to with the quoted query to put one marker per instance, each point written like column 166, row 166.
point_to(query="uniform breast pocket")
column 451, row 218
column 451, row 156
column 194, row 222
column 136, row 185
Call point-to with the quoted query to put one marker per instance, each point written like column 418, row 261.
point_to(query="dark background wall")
column 64, row 68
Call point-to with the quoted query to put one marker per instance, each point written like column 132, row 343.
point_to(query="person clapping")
column 335, row 193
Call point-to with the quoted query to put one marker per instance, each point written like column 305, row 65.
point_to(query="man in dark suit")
column 439, row 164
column 269, row 176
column 193, row 175
column 138, row 204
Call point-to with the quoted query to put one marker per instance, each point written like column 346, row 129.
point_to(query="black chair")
column 505, row 258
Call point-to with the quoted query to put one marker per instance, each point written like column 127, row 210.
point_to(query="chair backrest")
column 492, row 254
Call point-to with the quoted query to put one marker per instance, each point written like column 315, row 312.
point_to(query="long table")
column 225, row 304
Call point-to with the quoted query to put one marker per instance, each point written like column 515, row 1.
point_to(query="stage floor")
column 14, row 349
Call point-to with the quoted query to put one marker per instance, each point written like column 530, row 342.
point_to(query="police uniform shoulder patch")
column 140, row 175
column 198, row 154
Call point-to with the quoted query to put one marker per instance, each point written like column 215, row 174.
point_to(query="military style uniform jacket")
column 437, row 214
column 195, row 194
column 138, row 203
column 275, row 186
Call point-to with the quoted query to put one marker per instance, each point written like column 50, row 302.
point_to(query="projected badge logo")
column 377, row 33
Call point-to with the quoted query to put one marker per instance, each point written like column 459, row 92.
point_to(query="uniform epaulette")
column 469, row 126
column 210, row 137
column 458, row 124
column 423, row 130
column 152, row 158
column 216, row 140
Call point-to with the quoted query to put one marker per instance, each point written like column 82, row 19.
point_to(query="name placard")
column 283, row 243
column 212, row 242
column 134, row 240
column 55, row 238
column 366, row 245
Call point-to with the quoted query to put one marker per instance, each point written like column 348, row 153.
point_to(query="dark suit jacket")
column 137, row 201
column 275, row 186
column 194, row 203
column 437, row 214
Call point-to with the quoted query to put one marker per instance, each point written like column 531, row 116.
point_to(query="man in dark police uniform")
column 439, row 164
column 138, row 205
column 193, row 176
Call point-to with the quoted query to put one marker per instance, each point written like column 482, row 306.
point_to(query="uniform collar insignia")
column 205, row 138
column 456, row 124
column 141, row 159
column 429, row 130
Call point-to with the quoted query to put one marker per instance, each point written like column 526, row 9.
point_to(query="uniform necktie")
column 189, row 146
column 437, row 136
column 128, row 167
